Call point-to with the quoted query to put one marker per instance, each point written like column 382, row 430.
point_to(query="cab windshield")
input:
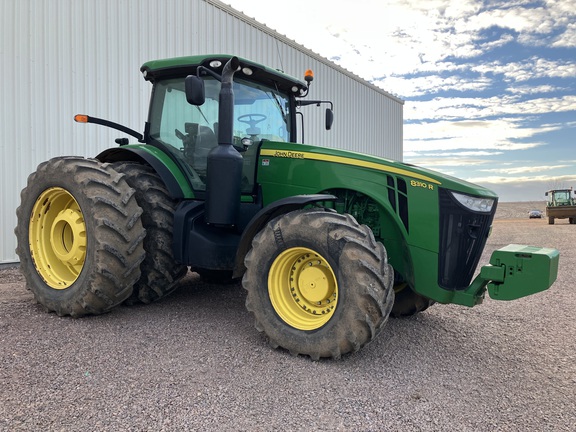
column 561, row 197
column 260, row 112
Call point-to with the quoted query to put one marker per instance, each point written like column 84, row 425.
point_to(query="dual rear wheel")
column 80, row 236
column 93, row 235
column 160, row 273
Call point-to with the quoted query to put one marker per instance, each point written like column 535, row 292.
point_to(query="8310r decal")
column 421, row 184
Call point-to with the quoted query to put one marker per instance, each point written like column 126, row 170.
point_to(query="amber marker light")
column 309, row 75
column 81, row 118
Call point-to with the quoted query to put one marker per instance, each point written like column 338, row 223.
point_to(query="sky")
column 489, row 85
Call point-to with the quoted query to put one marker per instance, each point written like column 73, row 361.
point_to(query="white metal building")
column 63, row 57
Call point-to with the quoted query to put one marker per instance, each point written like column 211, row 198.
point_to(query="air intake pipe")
column 224, row 170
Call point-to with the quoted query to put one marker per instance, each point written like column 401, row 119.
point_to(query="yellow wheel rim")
column 57, row 238
column 303, row 288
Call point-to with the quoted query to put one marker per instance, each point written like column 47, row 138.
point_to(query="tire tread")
column 109, row 271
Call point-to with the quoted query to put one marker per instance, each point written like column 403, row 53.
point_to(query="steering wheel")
column 252, row 119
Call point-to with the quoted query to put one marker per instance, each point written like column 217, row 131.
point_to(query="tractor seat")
column 205, row 141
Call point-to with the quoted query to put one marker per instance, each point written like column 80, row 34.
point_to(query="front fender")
column 268, row 213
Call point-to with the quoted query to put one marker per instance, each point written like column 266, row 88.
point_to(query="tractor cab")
column 185, row 117
column 191, row 114
column 560, row 197
column 260, row 113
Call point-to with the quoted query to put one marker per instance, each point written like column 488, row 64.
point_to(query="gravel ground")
column 195, row 362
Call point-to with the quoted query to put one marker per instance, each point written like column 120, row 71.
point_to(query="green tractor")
column 561, row 205
column 328, row 243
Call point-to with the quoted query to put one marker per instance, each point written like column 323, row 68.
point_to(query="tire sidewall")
column 41, row 182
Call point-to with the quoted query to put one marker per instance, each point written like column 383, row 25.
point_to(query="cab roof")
column 182, row 66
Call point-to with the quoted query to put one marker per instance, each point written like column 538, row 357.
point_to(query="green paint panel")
column 288, row 169
column 170, row 165
column 527, row 270
column 412, row 240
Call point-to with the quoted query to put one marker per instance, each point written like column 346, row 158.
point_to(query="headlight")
column 477, row 204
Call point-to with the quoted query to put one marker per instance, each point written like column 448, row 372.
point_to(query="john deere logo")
column 289, row 154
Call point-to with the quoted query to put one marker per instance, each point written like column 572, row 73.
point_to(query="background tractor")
column 561, row 205
column 328, row 243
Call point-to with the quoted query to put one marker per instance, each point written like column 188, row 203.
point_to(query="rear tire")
column 318, row 283
column 408, row 303
column 160, row 272
column 550, row 221
column 80, row 236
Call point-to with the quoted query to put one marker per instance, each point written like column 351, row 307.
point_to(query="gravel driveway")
column 195, row 362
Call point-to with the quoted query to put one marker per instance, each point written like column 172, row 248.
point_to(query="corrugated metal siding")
column 63, row 57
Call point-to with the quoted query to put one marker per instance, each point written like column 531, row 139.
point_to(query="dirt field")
column 195, row 362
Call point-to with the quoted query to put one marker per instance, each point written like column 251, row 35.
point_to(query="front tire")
column 79, row 236
column 318, row 283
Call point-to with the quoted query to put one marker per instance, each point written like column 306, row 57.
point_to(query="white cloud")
column 524, row 169
column 439, row 161
column 493, row 135
column 527, row 90
column 418, row 86
column 480, row 108
column 523, row 189
column 457, row 154
column 523, row 179
column 567, row 38
column 519, row 19
column 433, row 78
column 503, row 40
column 528, row 69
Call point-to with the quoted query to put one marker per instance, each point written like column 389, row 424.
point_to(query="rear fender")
column 272, row 210
column 171, row 174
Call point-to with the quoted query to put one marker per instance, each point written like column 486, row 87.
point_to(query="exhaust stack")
column 224, row 169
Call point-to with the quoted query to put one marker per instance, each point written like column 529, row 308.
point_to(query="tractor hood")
column 344, row 157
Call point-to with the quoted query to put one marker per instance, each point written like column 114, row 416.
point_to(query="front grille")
column 463, row 235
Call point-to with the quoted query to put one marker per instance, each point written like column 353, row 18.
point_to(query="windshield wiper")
column 279, row 105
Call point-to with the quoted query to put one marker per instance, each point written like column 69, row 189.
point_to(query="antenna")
column 279, row 56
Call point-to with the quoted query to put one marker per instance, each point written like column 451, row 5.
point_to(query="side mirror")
column 329, row 118
column 194, row 90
